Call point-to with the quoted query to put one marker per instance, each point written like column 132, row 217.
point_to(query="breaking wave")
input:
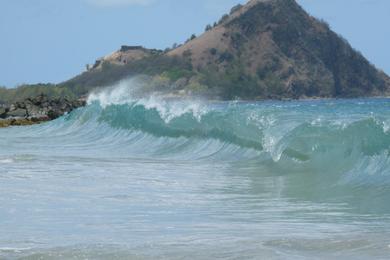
column 327, row 137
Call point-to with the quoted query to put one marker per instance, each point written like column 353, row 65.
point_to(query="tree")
column 223, row 19
column 193, row 36
column 208, row 28
column 236, row 8
column 213, row 51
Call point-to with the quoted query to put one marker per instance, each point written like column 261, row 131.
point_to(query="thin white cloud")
column 113, row 3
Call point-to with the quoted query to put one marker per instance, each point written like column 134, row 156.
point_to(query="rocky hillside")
column 273, row 48
column 125, row 55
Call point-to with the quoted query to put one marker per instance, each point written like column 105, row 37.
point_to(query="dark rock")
column 37, row 109
column 19, row 112
column 34, row 111
column 21, row 105
column 3, row 112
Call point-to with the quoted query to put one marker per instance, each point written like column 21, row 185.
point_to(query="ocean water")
column 155, row 178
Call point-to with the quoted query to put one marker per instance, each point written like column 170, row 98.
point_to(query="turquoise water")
column 165, row 179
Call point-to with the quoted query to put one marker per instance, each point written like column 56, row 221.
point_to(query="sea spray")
column 131, row 93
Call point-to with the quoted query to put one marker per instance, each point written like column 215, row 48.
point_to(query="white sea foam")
column 128, row 92
column 118, row 94
column 169, row 109
column 6, row 161
column 14, row 249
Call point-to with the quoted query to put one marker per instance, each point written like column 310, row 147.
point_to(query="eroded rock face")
column 38, row 109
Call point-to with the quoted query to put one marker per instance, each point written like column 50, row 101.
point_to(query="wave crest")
column 295, row 136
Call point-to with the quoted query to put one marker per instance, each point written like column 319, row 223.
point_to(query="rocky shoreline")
column 37, row 110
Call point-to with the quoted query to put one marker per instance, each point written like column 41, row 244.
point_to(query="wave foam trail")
column 6, row 161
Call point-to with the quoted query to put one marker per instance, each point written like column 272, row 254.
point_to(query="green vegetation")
column 175, row 74
column 226, row 57
column 12, row 95
column 213, row 51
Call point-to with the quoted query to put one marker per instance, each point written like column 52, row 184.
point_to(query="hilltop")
column 264, row 49
column 273, row 48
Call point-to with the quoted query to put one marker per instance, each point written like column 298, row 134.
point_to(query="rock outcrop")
column 36, row 110
column 125, row 55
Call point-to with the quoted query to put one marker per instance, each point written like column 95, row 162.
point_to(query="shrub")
column 213, row 51
column 236, row 8
column 177, row 73
column 197, row 88
column 223, row 19
column 226, row 56
column 187, row 53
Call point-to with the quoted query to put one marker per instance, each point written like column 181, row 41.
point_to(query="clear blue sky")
column 52, row 40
